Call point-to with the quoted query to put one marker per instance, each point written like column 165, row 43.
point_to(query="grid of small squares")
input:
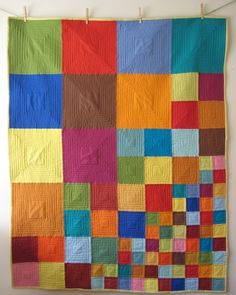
column 117, row 150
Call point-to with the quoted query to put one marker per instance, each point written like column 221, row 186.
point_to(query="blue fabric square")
column 219, row 203
column 138, row 245
column 165, row 271
column 78, row 249
column 146, row 48
column 97, row 283
column 219, row 217
column 138, row 257
column 131, row 224
column 177, row 284
column 35, row 101
column 191, row 284
column 185, row 142
column 219, row 257
column 206, row 176
column 192, row 204
column 192, row 218
column 198, row 45
column 157, row 142
column 77, row 223
column 179, row 191
column 218, row 284
column 192, row 191
column 206, row 245
column 124, row 284
column 130, row 142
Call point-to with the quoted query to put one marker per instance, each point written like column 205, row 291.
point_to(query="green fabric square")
column 152, row 218
column 205, row 258
column 131, row 169
column 76, row 196
column 166, row 232
column 35, row 47
column 104, row 250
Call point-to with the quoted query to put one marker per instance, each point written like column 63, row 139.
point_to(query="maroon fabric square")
column 211, row 86
column 219, row 244
column 25, row 249
column 151, row 271
column 111, row 283
column 211, row 142
column 152, row 245
column 164, row 284
column 78, row 275
column 178, row 258
column 206, row 190
column 191, row 271
column 193, row 231
column 205, row 284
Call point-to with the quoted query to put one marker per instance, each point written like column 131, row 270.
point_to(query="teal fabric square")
column 77, row 223
column 138, row 257
column 206, row 176
column 218, row 284
column 179, row 191
column 124, row 270
column 185, row 142
column 198, row 45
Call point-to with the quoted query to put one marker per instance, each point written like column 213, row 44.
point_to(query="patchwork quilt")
column 117, row 154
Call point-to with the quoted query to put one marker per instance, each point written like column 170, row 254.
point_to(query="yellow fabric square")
column 185, row 86
column 178, row 271
column 179, row 231
column 219, row 190
column 151, row 258
column 143, row 101
column 219, row 230
column 131, row 197
column 151, row 285
column 179, row 204
column 158, row 170
column 51, row 275
column 35, row 155
column 218, row 271
column 205, row 163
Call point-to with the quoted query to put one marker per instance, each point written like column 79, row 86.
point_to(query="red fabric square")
column 206, row 218
column 78, row 275
column 151, row 271
column 25, row 249
column 111, row 283
column 211, row 86
column 191, row 271
column 219, row 244
column 104, row 196
column 125, row 257
column 89, row 49
column 185, row 114
column 164, row 284
column 205, row 284
column 193, row 231
column 219, row 176
column 158, row 197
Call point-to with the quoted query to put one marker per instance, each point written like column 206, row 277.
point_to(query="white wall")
column 110, row 8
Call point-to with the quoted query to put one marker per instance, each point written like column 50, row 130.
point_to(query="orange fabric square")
column 206, row 231
column 206, row 204
column 149, row 103
column 152, row 232
column 104, row 223
column 97, row 270
column 51, row 249
column 165, row 258
column 205, row 271
column 138, row 271
column 37, row 209
column 125, row 244
column 165, row 218
column 185, row 170
column 192, row 245
column 211, row 114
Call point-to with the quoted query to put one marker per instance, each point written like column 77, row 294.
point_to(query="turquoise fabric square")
column 130, row 142
column 179, row 191
column 138, row 245
column 218, row 284
column 165, row 271
column 185, row 142
column 97, row 283
column 198, row 45
column 138, row 257
column 219, row 257
column 206, row 176
column 219, row 203
column 77, row 223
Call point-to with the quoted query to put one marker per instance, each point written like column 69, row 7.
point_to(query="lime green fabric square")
column 165, row 245
column 76, row 196
column 35, row 47
column 185, row 87
column 179, row 231
column 152, row 218
column 130, row 169
column 52, row 275
column 111, row 270
column 178, row 271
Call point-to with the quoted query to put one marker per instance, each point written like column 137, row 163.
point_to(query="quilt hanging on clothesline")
column 117, row 154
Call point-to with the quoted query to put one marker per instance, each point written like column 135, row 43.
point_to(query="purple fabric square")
column 89, row 155
column 152, row 245
column 211, row 86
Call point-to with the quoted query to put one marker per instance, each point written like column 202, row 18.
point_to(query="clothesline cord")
column 207, row 13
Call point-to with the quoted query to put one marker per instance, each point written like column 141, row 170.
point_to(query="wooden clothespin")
column 25, row 14
column 87, row 16
column 140, row 15
column 202, row 11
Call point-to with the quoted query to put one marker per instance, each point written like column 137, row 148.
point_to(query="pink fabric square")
column 211, row 86
column 179, row 245
column 219, row 162
column 25, row 274
column 89, row 155
column 137, row 284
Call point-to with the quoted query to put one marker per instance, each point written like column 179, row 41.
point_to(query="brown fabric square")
column 178, row 258
column 211, row 142
column 179, row 218
column 89, row 101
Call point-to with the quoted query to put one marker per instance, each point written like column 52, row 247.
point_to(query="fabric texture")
column 117, row 154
